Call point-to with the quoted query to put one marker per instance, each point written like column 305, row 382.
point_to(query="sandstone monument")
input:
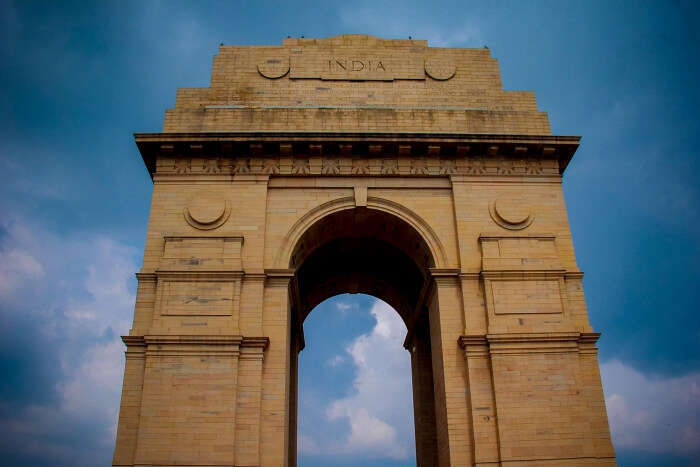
column 362, row 165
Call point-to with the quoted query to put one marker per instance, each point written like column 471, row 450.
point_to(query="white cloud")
column 379, row 409
column 16, row 268
column 93, row 389
column 336, row 360
column 646, row 413
column 368, row 434
column 82, row 296
column 343, row 306
column 652, row 414
column 110, row 267
column 19, row 266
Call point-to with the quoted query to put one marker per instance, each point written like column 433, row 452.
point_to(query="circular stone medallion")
column 207, row 212
column 274, row 67
column 439, row 69
column 511, row 213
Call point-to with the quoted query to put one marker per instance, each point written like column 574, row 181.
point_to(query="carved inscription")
column 319, row 63
column 354, row 65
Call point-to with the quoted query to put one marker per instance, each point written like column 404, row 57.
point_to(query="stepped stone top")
column 357, row 84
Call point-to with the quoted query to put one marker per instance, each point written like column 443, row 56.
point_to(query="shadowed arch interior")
column 368, row 251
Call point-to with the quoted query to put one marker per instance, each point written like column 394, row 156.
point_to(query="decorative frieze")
column 336, row 164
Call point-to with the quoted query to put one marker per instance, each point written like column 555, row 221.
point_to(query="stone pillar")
column 249, row 402
column 130, row 412
column 188, row 409
column 423, row 396
column 450, row 378
column 484, row 420
column 276, row 321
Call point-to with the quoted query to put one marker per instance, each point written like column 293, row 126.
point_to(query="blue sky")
column 79, row 78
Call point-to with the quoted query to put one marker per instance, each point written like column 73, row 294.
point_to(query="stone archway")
column 361, row 250
column 422, row 182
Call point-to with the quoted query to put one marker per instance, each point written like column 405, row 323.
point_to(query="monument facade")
column 354, row 164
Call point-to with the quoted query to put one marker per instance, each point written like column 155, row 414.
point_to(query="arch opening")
column 375, row 253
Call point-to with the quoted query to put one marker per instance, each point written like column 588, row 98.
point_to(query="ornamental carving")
column 330, row 167
column 389, row 167
column 511, row 213
column 211, row 166
column 476, row 166
column 183, row 166
column 274, row 67
column 533, row 167
column 419, row 166
column 439, row 69
column 506, row 167
column 271, row 166
column 333, row 164
column 448, row 166
column 360, row 167
column 207, row 212
column 301, row 167
column 242, row 166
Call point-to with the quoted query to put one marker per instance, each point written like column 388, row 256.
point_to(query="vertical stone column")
column 277, row 370
column 484, row 420
column 188, row 412
column 292, row 402
column 250, row 318
column 248, row 402
column 599, row 443
column 423, row 396
column 145, row 303
column 130, row 412
column 450, row 379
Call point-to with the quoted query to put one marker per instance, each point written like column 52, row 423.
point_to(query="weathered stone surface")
column 356, row 164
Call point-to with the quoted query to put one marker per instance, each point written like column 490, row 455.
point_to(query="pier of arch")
column 299, row 174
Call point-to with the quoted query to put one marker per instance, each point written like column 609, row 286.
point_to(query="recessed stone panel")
column 526, row 296
column 519, row 253
column 198, row 298
column 202, row 254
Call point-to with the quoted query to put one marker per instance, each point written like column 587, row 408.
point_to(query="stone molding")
column 528, row 343
column 195, row 345
column 335, row 154
column 279, row 277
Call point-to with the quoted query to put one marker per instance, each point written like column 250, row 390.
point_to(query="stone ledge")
column 526, row 343
column 420, row 148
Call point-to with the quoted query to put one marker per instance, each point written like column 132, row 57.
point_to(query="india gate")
column 355, row 164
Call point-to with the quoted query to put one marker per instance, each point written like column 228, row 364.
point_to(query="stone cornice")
column 279, row 277
column 135, row 341
column 523, row 274
column 200, row 275
column 244, row 341
column 194, row 339
column 196, row 345
column 449, row 147
column 444, row 272
column 281, row 273
column 519, row 343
